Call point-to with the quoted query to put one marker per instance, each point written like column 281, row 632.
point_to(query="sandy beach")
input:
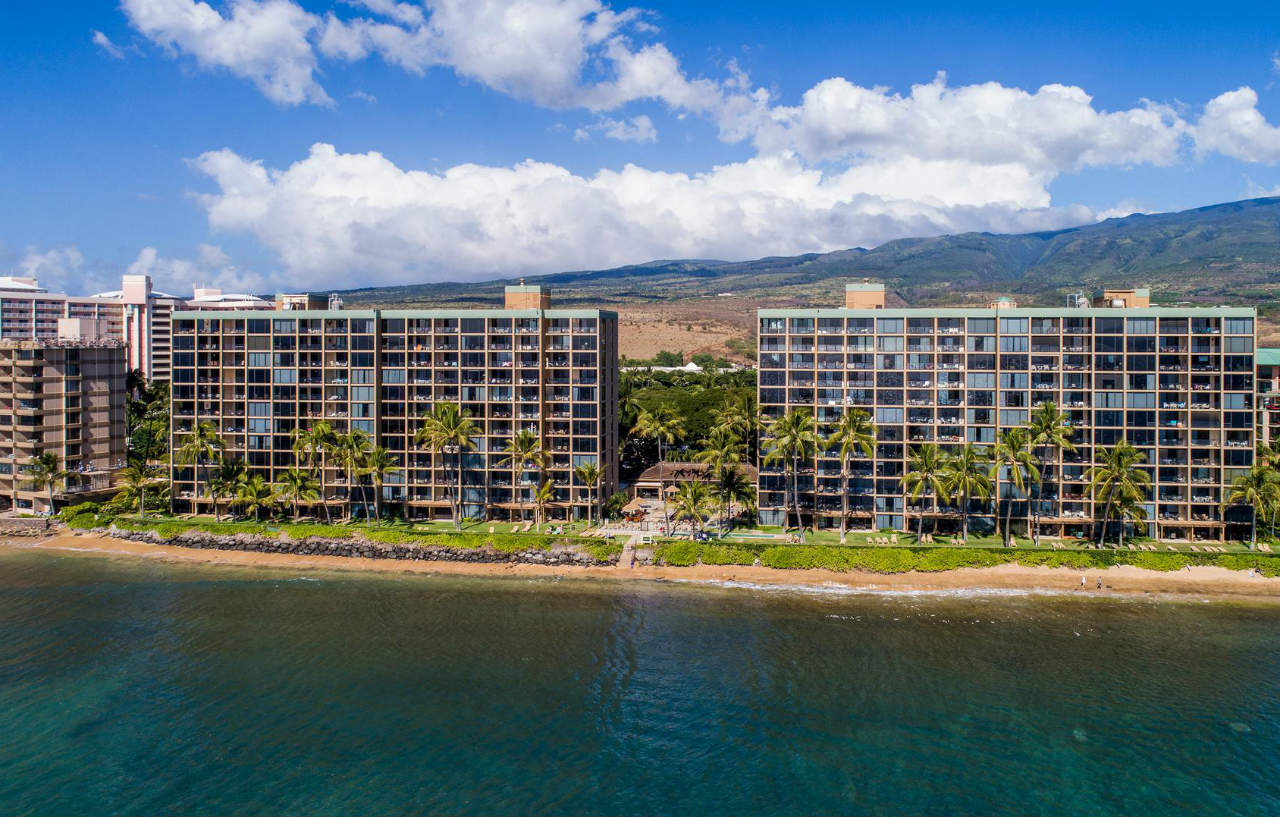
column 1214, row 582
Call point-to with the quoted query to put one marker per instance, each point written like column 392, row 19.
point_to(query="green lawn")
column 863, row 538
column 474, row 535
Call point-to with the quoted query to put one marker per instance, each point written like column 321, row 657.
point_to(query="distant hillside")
column 1229, row 251
column 1226, row 253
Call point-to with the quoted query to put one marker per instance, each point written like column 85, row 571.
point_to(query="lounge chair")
column 515, row 528
column 1195, row 549
column 893, row 539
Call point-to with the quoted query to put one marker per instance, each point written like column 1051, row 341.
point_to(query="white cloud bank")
column 332, row 214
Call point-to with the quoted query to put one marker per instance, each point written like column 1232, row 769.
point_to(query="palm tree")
column 853, row 432
column 1117, row 480
column 44, row 473
column 254, row 495
column 201, row 447
column 137, row 478
column 445, row 430
column 224, row 482
column 298, row 485
column 1259, row 489
column 1269, row 452
column 664, row 427
column 350, row 450
column 589, row 474
column 966, row 478
column 1012, row 454
column 692, row 500
column 721, row 447
column 543, row 496
column 793, row 438
column 380, row 464
column 1129, row 506
column 523, row 451
column 926, row 475
column 1050, row 428
column 732, row 485
column 311, row 445
column 737, row 415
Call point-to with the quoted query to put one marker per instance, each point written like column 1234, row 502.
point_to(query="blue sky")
column 279, row 144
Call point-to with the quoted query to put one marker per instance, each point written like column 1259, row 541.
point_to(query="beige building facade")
column 65, row 397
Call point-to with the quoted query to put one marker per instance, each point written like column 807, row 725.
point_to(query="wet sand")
column 1212, row 582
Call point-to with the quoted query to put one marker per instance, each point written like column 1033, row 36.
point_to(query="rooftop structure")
column 136, row 314
column 1176, row 382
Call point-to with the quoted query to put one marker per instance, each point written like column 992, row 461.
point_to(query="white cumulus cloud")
column 1054, row 129
column 332, row 215
column 211, row 267
column 265, row 42
column 1233, row 126
column 56, row 269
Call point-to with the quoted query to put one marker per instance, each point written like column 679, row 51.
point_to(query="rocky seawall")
column 357, row 548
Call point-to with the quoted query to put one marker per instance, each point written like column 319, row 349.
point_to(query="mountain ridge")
column 1219, row 251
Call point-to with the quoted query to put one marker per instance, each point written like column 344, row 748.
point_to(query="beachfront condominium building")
column 135, row 314
column 527, row 366
column 63, row 396
column 1176, row 382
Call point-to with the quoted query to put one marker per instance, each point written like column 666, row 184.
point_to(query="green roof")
column 334, row 314
column 1267, row 356
column 1020, row 312
column 270, row 314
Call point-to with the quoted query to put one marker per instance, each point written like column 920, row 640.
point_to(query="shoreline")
column 1123, row 580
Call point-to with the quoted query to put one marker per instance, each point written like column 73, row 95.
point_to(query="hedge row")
column 902, row 560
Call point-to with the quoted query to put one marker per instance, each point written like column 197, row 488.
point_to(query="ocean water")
column 128, row 687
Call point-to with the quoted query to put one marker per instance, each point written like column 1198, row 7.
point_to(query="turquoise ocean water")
column 136, row 688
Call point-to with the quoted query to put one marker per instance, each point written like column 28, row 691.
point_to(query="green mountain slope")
column 1225, row 252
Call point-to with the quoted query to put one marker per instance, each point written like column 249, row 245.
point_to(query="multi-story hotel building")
column 554, row 372
column 135, row 314
column 65, row 397
column 1176, row 382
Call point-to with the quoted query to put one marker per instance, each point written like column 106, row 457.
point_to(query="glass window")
column 982, row 325
column 1013, row 326
column 891, row 344
column 1141, row 326
column 1239, row 326
column 889, row 416
column 889, row 326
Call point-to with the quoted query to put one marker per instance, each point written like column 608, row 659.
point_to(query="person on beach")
column 1084, row 580
column 1099, row 582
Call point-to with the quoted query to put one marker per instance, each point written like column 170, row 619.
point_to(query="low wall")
column 23, row 526
column 354, row 548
